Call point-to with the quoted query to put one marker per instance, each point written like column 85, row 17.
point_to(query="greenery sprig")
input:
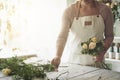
column 16, row 68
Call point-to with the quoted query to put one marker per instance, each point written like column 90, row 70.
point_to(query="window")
column 31, row 24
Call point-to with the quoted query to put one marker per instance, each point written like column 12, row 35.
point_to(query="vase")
column 87, row 59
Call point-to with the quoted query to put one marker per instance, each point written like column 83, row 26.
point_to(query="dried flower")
column 6, row 71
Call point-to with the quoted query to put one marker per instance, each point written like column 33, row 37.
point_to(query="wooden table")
column 78, row 72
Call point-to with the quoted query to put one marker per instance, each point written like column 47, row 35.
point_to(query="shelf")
column 114, row 64
column 116, row 39
column 113, row 60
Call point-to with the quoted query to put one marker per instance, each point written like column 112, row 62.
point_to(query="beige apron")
column 81, row 32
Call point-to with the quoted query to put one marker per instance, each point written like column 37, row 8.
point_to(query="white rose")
column 84, row 46
column 94, row 39
column 108, row 4
column 6, row 71
column 92, row 45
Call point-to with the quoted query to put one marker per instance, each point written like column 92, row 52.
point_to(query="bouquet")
column 92, row 46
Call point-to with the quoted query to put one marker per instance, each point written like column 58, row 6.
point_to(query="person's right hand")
column 56, row 61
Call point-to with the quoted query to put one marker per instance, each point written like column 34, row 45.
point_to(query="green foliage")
column 21, row 70
column 114, row 5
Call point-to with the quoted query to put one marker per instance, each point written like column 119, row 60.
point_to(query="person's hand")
column 100, row 58
column 56, row 61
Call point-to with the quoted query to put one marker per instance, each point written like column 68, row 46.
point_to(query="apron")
column 81, row 32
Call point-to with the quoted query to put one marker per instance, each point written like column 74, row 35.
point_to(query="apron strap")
column 78, row 6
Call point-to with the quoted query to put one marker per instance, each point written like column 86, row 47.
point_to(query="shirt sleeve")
column 108, row 33
column 62, row 37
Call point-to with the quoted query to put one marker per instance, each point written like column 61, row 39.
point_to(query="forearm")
column 60, row 45
column 107, row 43
column 109, row 22
column 59, row 51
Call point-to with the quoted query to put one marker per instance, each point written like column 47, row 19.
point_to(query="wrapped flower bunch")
column 92, row 46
